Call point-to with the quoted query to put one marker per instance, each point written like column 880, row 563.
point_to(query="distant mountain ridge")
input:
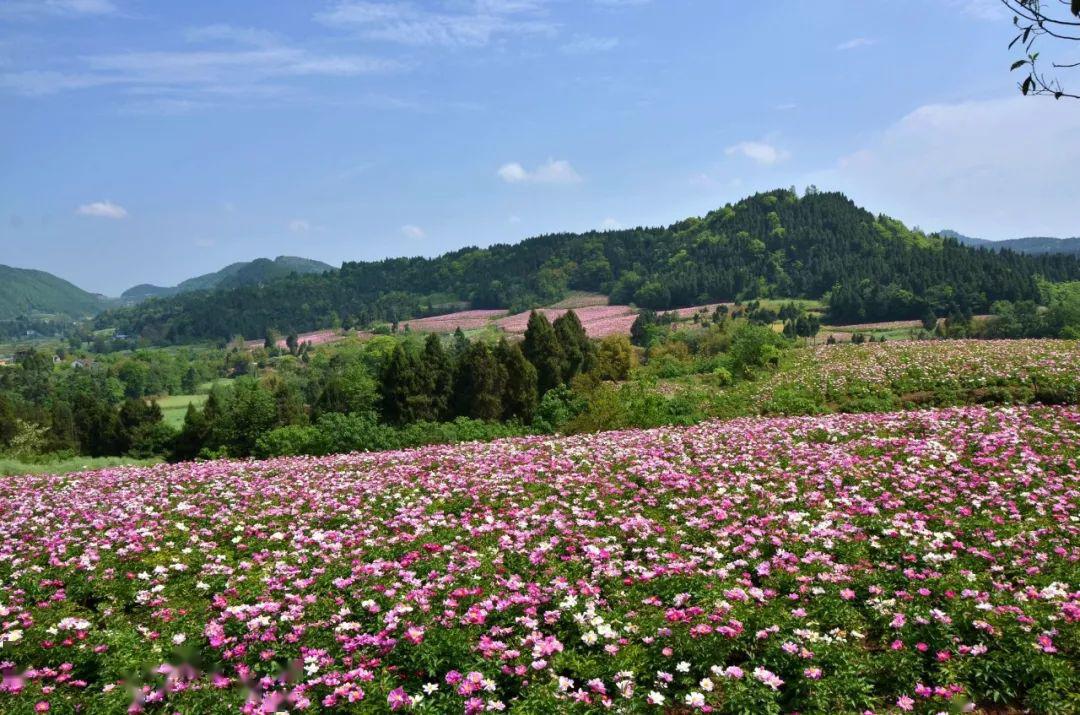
column 245, row 273
column 1034, row 245
column 25, row 292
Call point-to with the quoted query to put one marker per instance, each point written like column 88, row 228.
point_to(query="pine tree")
column 541, row 348
column 479, row 384
column 440, row 376
column 520, row 395
column 401, row 384
column 578, row 355
column 461, row 344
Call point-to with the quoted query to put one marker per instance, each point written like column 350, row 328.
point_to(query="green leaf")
column 1017, row 65
column 1026, row 86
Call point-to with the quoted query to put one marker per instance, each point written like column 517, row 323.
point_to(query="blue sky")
column 149, row 141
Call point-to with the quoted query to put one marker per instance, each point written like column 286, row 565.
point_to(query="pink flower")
column 398, row 699
column 905, row 703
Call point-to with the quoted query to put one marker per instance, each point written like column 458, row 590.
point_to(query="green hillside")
column 772, row 245
column 234, row 275
column 28, row 292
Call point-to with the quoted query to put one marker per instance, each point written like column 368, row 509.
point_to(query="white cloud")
column 103, row 209
column 299, row 225
column 762, row 152
column 31, row 9
column 411, row 231
column 786, row 107
column 254, row 64
column 554, row 171
column 587, row 45
column 856, row 43
column 610, row 224
column 977, row 167
column 476, row 25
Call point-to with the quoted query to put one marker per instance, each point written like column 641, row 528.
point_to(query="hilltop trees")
column 771, row 245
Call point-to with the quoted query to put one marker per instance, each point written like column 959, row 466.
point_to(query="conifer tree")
column 402, row 387
column 578, row 355
column 439, row 375
column 520, row 394
column 479, row 384
column 541, row 348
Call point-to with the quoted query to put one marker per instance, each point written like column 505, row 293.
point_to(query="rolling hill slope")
column 776, row 244
column 235, row 275
column 27, row 292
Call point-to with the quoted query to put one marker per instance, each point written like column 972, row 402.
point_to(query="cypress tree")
column 520, row 394
column 439, row 374
column 401, row 385
column 578, row 355
column 479, row 384
column 541, row 348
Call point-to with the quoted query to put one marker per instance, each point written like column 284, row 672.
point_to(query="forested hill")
column 261, row 270
column 26, row 292
column 774, row 244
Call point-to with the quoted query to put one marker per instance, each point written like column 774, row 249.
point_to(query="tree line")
column 772, row 245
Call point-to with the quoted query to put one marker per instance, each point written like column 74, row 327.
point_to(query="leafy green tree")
column 253, row 413
column 520, row 395
column 542, row 349
column 615, row 358
column 479, row 384
column 642, row 329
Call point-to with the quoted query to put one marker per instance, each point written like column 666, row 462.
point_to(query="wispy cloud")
column 554, row 171
column 300, row 226
column 763, row 153
column 475, row 25
column 414, row 232
column 35, row 9
column 856, row 43
column 610, row 224
column 103, row 209
column 252, row 64
column 586, row 45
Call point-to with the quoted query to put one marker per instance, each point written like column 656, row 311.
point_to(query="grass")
column 174, row 407
column 206, row 387
column 13, row 467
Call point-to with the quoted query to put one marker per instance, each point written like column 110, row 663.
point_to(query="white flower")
column 655, row 698
column 683, row 667
column 706, row 685
column 695, row 700
column 179, row 638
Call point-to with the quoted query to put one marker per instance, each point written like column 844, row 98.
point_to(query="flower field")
column 899, row 562
column 938, row 372
column 599, row 321
column 448, row 323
